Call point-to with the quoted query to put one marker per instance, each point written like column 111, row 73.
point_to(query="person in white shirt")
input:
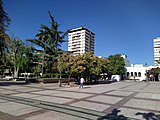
column 81, row 82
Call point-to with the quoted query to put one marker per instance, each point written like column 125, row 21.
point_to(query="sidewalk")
column 120, row 100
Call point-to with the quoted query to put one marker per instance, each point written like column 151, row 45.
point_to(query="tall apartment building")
column 156, row 45
column 80, row 40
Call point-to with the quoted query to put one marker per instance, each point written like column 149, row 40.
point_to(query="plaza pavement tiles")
column 119, row 100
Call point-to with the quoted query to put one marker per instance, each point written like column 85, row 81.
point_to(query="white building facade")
column 81, row 40
column 138, row 71
column 156, row 45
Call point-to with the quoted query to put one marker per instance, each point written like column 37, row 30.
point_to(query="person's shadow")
column 113, row 116
column 149, row 116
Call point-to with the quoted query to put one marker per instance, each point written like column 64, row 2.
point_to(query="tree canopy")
column 4, row 19
column 49, row 38
column 117, row 64
column 4, row 38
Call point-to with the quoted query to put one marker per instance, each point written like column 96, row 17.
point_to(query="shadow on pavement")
column 149, row 116
column 113, row 116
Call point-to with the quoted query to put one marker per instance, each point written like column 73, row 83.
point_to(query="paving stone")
column 5, row 116
column 149, row 95
column 152, row 88
column 146, row 104
column 28, row 90
column 47, row 92
column 13, row 87
column 131, row 113
column 129, row 106
column 1, row 101
column 93, row 89
column 25, row 95
column 106, row 99
column 53, row 99
column 120, row 93
column 135, row 87
column 73, row 95
column 92, row 106
column 8, row 92
column 54, row 116
column 16, row 108
column 43, row 86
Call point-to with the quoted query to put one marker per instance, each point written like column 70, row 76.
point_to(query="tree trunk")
column 69, row 79
column 15, row 67
column 43, row 65
column 16, row 72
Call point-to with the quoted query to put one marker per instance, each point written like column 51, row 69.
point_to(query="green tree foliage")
column 49, row 39
column 4, row 38
column 96, row 67
column 20, row 54
column 78, row 67
column 88, row 60
column 86, row 65
column 65, row 64
column 4, row 19
column 117, row 64
column 154, row 71
column 105, row 64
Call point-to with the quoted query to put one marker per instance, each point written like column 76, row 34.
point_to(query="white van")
column 116, row 77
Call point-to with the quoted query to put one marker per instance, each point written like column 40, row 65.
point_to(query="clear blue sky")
column 120, row 26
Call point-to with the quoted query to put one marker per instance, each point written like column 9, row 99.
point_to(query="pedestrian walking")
column 81, row 82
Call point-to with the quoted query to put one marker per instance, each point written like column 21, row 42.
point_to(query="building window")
column 131, row 74
column 139, row 74
column 135, row 74
column 127, row 74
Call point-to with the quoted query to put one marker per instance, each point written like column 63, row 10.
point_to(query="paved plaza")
column 119, row 100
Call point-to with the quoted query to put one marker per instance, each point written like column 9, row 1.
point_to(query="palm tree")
column 49, row 39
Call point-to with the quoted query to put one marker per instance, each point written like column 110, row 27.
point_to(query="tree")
column 87, row 63
column 96, row 68
column 117, row 65
column 4, row 19
column 65, row 64
column 18, row 52
column 78, row 67
column 88, row 66
column 50, row 39
column 105, row 64
column 4, row 38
